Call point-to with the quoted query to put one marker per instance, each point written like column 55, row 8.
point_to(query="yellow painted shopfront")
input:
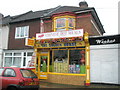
column 63, row 57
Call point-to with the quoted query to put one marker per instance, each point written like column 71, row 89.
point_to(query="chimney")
column 83, row 4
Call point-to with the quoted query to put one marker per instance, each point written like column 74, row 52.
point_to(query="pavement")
column 54, row 85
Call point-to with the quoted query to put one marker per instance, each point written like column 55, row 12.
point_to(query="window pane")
column 60, row 61
column 26, row 31
column 17, row 32
column 43, row 63
column 29, row 53
column 24, row 53
column 9, row 73
column 17, row 54
column 28, row 73
column 8, row 62
column 8, row 54
column 60, row 22
column 60, row 29
column 71, row 22
column 77, row 61
column 22, row 32
column 17, row 61
column 24, row 61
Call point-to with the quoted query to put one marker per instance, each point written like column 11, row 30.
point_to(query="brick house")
column 50, row 20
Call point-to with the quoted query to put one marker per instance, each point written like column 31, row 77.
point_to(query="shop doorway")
column 42, row 65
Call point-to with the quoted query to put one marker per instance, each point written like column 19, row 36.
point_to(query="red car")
column 14, row 78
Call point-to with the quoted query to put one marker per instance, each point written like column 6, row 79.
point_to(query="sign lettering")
column 49, row 45
column 61, row 34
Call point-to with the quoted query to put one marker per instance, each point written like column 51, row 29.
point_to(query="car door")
column 9, row 77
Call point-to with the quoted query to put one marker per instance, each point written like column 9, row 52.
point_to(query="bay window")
column 64, row 23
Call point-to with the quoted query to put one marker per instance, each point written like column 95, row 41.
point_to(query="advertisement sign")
column 102, row 40
column 31, row 61
column 61, row 34
column 29, row 42
column 67, row 44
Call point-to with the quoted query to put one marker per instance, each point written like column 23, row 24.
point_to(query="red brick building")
column 50, row 20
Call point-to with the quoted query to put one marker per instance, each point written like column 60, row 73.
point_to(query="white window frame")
column 12, row 56
column 20, row 56
column 20, row 30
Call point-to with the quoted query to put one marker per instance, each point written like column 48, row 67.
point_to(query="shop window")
column 77, row 61
column 22, row 32
column 60, row 61
column 67, row 61
column 64, row 23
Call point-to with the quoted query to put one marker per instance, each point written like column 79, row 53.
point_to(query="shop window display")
column 67, row 61
column 77, row 61
column 61, row 61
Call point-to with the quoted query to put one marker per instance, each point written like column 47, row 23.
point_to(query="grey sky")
column 107, row 9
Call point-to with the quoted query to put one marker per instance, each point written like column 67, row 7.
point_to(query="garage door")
column 104, row 65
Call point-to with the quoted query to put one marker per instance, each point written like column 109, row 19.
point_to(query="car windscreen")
column 28, row 73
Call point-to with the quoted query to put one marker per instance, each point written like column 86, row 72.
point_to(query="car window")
column 1, row 70
column 9, row 73
column 28, row 73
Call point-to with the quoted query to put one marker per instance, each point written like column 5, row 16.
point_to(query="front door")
column 43, row 66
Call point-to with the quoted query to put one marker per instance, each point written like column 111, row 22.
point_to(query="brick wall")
column 34, row 27
column 66, row 79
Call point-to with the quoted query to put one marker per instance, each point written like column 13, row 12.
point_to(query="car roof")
column 15, row 68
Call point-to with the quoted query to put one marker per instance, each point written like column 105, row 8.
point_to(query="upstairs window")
column 22, row 32
column 64, row 23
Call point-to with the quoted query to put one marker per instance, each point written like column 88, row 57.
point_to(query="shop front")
column 63, row 57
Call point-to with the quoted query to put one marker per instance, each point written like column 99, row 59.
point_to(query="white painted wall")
column 104, row 63
column 4, row 31
column 119, row 64
column 0, row 47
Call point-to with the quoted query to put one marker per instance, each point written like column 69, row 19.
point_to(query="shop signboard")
column 67, row 44
column 29, row 42
column 102, row 40
column 61, row 34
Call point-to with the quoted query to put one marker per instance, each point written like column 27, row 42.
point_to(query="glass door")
column 43, row 66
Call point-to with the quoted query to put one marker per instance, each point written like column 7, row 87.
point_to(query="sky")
column 107, row 10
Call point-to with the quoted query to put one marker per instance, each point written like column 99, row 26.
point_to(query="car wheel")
column 11, row 88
